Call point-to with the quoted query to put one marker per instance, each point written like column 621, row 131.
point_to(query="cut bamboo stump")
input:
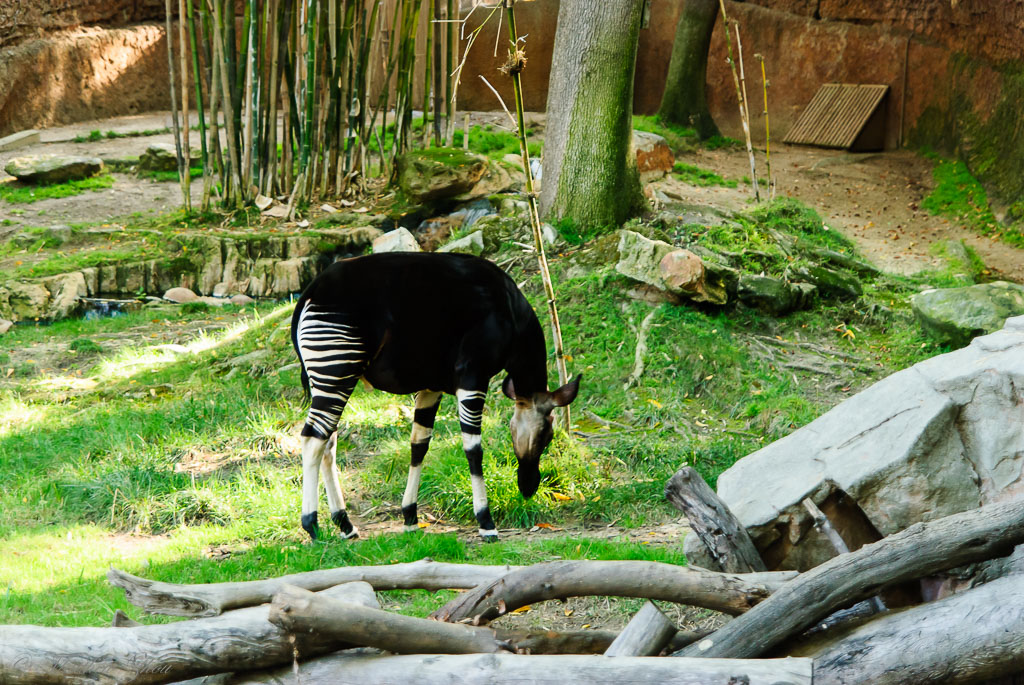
column 212, row 599
column 968, row 637
column 516, row 669
column 645, row 635
column 709, row 517
column 302, row 612
column 726, row 592
column 920, row 550
column 161, row 653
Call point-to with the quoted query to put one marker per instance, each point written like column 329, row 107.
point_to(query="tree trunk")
column 590, row 171
column 964, row 638
column 161, row 653
column 213, row 598
column 921, row 550
column 710, row 518
column 685, row 100
column 517, row 669
column 727, row 592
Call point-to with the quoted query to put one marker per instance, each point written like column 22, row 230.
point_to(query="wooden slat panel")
column 836, row 115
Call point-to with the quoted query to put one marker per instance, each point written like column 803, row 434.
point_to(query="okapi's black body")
column 428, row 324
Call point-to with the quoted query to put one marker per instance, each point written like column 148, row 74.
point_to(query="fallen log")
column 967, row 637
column 160, row 653
column 214, row 598
column 645, row 635
column 727, row 592
column 302, row 612
column 710, row 518
column 516, row 669
column 921, row 550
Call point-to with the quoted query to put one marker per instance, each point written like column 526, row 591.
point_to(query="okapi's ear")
column 508, row 388
column 567, row 393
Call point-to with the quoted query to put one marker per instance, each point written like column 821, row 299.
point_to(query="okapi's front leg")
column 471, row 411
column 427, row 402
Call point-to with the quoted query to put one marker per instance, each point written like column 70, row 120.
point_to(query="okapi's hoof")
column 351, row 535
column 310, row 525
column 489, row 535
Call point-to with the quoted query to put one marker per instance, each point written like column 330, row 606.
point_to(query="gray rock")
column 471, row 244
column 657, row 263
column 19, row 139
column 5, row 326
column 831, row 283
column 59, row 234
column 159, row 157
column 943, row 436
column 955, row 315
column 439, row 173
column 26, row 301
column 398, row 240
column 180, row 295
column 66, row 291
column 640, row 257
column 654, row 157
column 498, row 178
column 45, row 169
column 772, row 295
column 241, row 300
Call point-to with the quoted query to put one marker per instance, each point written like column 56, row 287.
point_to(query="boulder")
column 831, row 283
column 955, row 315
column 439, row 173
column 5, row 326
column 941, row 437
column 66, row 291
column 398, row 240
column 667, row 267
column 498, row 230
column 498, row 178
column 159, row 157
column 774, row 295
column 46, row 169
column 471, row 244
column 26, row 301
column 654, row 157
column 58, row 234
column 241, row 300
column 180, row 295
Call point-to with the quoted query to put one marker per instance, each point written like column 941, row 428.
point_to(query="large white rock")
column 943, row 436
column 398, row 240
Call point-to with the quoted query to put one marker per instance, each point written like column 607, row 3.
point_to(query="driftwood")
column 645, row 635
column 160, row 653
column 968, row 637
column 517, row 669
column 730, row 593
column 214, row 598
column 709, row 517
column 303, row 612
column 920, row 550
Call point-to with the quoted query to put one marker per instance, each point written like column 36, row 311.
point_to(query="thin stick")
column 198, row 83
column 767, row 129
column 174, row 102
column 515, row 65
column 739, row 95
column 745, row 115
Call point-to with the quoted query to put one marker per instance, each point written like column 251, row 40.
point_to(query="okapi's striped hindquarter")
column 427, row 324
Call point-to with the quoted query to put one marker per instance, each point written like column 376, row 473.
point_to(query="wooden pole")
column 645, row 635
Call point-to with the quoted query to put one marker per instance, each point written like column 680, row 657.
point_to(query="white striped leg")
column 312, row 455
column 427, row 402
column 471, row 411
column 335, row 498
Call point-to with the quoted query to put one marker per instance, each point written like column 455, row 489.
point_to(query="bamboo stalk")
column 232, row 191
column 515, row 66
column 182, row 171
column 739, row 94
column 438, row 71
column 746, row 116
column 767, row 129
column 197, row 81
column 452, row 17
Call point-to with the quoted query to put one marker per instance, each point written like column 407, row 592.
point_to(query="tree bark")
column 645, row 635
column 968, row 637
column 517, row 669
column 685, row 100
column 730, row 593
column 160, row 653
column 590, row 173
column 920, row 550
column 709, row 517
column 211, row 599
column 303, row 612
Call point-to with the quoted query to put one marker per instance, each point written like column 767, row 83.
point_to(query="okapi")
column 427, row 324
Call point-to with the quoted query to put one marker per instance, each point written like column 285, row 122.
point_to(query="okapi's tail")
column 299, row 305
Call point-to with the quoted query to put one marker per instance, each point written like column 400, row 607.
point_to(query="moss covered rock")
column 439, row 173
column 830, row 283
column 956, row 315
column 47, row 169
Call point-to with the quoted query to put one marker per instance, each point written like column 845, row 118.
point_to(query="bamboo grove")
column 306, row 98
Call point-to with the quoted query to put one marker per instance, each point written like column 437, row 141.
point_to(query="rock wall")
column 21, row 20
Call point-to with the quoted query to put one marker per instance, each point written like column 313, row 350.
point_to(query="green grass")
column 96, row 135
column 171, row 176
column 721, row 142
column 681, row 139
column 694, row 175
column 958, row 195
column 19, row 193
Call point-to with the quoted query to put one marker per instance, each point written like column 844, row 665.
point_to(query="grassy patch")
column 694, row 175
column 721, row 142
column 958, row 195
column 171, row 176
column 679, row 138
column 96, row 135
column 20, row 193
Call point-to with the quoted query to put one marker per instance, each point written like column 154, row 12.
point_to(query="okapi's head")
column 532, row 430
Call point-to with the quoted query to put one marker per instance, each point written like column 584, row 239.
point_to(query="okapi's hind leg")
column 335, row 498
column 427, row 402
column 471, row 412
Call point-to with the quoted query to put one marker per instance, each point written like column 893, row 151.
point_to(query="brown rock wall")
column 22, row 20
